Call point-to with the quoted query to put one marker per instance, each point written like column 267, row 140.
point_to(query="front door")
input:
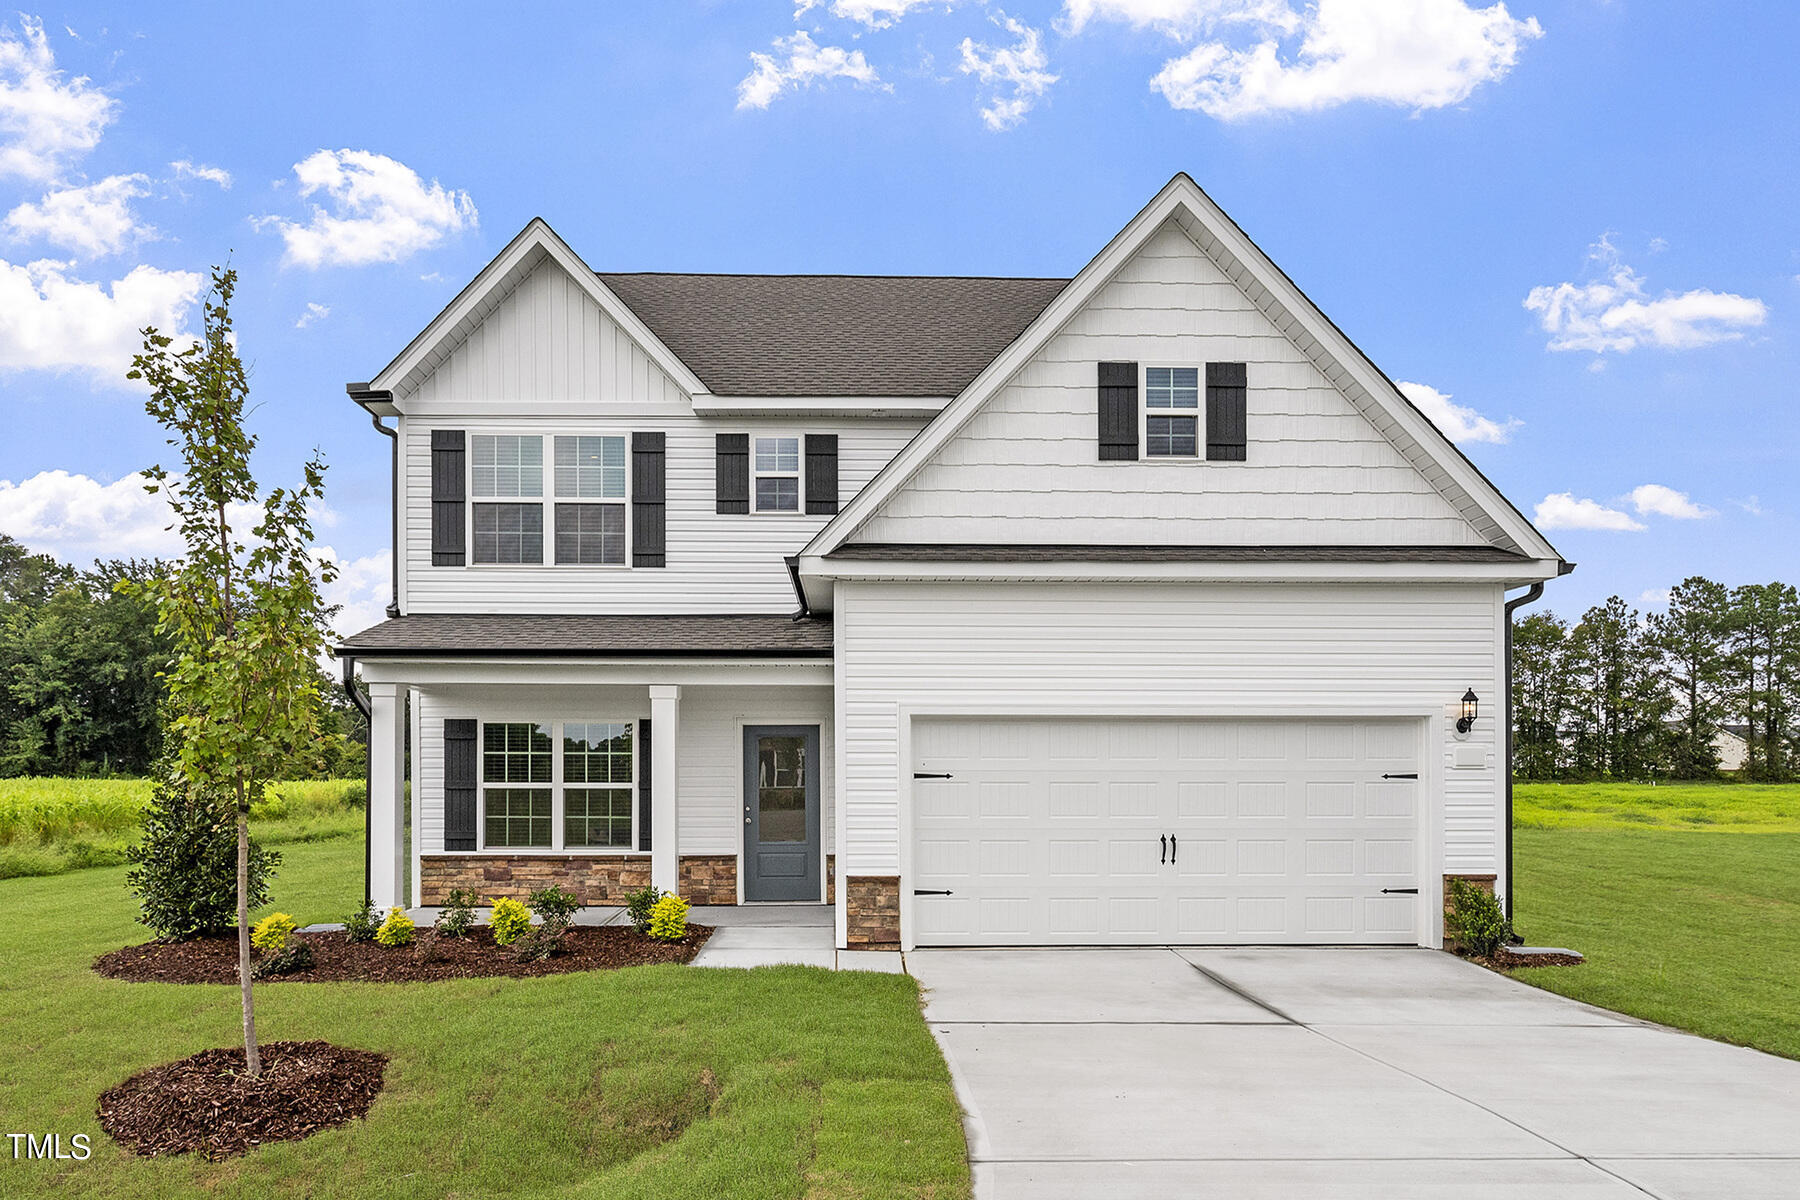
column 781, row 812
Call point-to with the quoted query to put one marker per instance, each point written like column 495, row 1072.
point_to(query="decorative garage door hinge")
column 932, row 775
column 932, row 892
column 1399, row 891
column 1402, row 775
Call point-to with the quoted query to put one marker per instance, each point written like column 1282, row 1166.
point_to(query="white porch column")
column 387, row 793
column 665, row 737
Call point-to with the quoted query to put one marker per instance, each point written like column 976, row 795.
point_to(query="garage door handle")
column 932, row 892
column 932, row 775
column 1403, row 775
column 1174, row 845
column 1399, row 891
column 1164, row 857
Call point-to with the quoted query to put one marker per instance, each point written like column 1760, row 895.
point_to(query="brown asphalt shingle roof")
column 457, row 634
column 834, row 335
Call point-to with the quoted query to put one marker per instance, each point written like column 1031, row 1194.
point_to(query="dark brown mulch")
column 206, row 1105
column 1505, row 960
column 336, row 959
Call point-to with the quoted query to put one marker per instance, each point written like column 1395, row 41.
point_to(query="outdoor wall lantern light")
column 1470, row 703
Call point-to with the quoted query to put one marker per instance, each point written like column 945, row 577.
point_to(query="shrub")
column 458, row 916
column 397, row 930
column 270, row 935
column 638, row 905
column 296, row 956
column 509, row 922
column 553, row 902
column 360, row 926
column 356, row 794
column 668, row 919
column 1475, row 919
column 541, row 941
column 185, row 877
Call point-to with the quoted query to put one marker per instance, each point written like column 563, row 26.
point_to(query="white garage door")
column 1052, row 832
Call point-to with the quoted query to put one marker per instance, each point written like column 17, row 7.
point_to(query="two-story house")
column 1137, row 607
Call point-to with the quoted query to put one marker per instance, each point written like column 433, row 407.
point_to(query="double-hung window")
column 506, row 474
column 559, row 785
column 777, row 473
column 590, row 500
column 1171, row 412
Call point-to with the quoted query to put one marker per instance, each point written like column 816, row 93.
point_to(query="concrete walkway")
column 1338, row 1073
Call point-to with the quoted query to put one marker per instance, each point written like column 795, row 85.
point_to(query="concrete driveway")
column 1338, row 1073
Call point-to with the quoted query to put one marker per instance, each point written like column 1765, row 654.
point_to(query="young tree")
column 1691, row 639
column 243, row 609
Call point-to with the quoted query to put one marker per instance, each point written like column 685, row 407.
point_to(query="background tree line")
column 80, row 661
column 1620, row 695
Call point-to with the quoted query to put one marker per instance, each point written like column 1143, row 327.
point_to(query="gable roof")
column 1216, row 235
column 521, row 256
column 488, row 634
column 834, row 335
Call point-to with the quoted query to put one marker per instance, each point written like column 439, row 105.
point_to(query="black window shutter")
column 1118, row 411
column 643, row 767
column 731, row 459
column 649, row 520
column 1227, row 423
column 447, row 495
column 459, row 784
column 821, row 473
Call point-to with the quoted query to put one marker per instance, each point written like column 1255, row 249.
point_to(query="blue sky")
column 1575, row 218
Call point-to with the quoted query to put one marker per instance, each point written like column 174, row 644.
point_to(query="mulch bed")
column 337, row 960
column 206, row 1105
column 1505, row 960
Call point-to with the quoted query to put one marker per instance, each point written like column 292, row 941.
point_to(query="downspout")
column 362, row 706
column 1506, row 710
column 364, row 395
column 793, row 566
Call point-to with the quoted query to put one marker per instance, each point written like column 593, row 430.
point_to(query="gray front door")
column 781, row 812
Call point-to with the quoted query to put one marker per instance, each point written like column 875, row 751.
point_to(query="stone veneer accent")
column 709, row 878
column 872, row 905
column 1484, row 882
column 595, row 879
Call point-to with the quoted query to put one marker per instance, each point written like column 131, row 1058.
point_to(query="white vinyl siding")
column 1006, row 648
column 1025, row 467
column 715, row 563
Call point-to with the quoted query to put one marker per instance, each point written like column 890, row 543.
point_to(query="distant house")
column 1137, row 607
column 1732, row 743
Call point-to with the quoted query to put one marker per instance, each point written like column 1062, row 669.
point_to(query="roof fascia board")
column 537, row 236
column 539, row 673
column 821, row 406
column 1510, row 574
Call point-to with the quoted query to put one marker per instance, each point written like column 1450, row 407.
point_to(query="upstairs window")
column 1171, row 412
column 590, row 500
column 777, row 474
column 511, row 467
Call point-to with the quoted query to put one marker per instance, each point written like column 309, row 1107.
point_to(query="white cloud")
column 188, row 169
column 1019, row 67
column 1654, row 598
column 1420, row 54
column 876, row 14
column 314, row 313
column 51, row 321
column 379, row 211
column 797, row 62
column 1180, row 18
column 360, row 592
column 93, row 220
column 1562, row 510
column 78, row 518
column 1655, row 499
column 1458, row 422
column 1614, row 311
column 47, row 121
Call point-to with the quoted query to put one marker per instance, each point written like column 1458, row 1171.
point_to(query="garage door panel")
column 1051, row 832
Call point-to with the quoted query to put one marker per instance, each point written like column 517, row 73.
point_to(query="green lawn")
column 653, row 1082
column 1681, row 922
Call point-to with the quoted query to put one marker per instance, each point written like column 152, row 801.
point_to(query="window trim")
column 558, row 809
column 546, row 500
column 1145, row 412
column 798, row 475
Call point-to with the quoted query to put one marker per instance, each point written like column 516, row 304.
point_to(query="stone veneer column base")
column 593, row 878
column 872, row 904
column 709, row 878
column 1485, row 882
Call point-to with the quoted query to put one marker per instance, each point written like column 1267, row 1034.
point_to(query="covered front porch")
column 704, row 770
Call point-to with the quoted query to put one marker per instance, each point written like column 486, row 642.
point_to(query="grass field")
column 1685, row 899
column 650, row 1082
column 48, row 826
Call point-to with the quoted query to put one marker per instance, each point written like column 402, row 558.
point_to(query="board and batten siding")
column 1026, row 468
column 710, row 799
column 1011, row 648
column 716, row 562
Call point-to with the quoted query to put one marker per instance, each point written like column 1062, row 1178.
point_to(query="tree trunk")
column 252, row 1057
